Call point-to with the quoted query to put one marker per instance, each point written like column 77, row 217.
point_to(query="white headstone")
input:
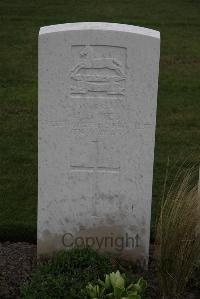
column 97, row 117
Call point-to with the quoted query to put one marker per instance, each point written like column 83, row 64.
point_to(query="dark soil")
column 18, row 261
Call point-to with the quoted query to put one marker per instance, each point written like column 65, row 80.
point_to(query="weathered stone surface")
column 97, row 117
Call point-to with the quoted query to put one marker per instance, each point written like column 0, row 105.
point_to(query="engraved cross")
column 95, row 169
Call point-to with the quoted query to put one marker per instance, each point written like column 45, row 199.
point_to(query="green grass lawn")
column 178, row 118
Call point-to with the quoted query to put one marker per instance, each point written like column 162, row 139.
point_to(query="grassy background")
column 178, row 118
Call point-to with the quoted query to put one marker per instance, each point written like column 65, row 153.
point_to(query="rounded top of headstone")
column 99, row 26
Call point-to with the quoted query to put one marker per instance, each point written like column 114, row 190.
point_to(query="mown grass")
column 178, row 118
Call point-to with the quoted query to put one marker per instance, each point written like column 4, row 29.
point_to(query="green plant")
column 114, row 287
column 178, row 239
column 66, row 275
